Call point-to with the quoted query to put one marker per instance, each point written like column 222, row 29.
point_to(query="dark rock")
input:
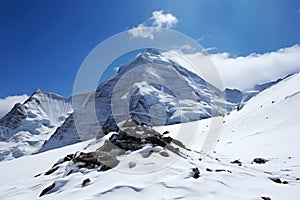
column 103, row 156
column 70, row 172
column 260, row 160
column 113, row 162
column 168, row 139
column 285, row 182
column 52, row 170
column 237, row 162
column 156, row 141
column 178, row 143
column 223, row 170
column 173, row 149
column 266, row 198
column 164, row 154
column 165, row 133
column 85, row 181
column 108, row 146
column 47, row 189
column 267, row 172
column 104, row 168
column 196, row 173
column 275, row 179
column 89, row 159
column 37, row 175
column 68, row 157
column 209, row 170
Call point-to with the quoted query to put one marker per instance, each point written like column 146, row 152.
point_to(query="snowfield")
column 265, row 129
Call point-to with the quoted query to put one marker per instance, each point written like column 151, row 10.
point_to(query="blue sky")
column 42, row 43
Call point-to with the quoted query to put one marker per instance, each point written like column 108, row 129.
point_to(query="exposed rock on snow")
column 85, row 182
column 196, row 172
column 260, row 160
column 47, row 189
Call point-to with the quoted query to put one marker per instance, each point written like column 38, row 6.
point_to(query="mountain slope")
column 267, row 125
column 267, row 128
column 145, row 91
column 24, row 129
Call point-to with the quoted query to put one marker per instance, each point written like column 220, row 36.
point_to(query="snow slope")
column 25, row 128
column 266, row 127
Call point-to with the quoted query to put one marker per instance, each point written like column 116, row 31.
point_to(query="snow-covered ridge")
column 157, row 90
column 25, row 128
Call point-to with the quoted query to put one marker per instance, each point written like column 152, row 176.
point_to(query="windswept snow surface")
column 266, row 127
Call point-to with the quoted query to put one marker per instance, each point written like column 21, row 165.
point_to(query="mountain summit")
column 152, row 90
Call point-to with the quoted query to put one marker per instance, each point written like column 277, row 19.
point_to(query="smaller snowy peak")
column 28, row 125
column 12, row 120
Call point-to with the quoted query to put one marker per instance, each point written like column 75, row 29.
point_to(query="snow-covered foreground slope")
column 267, row 127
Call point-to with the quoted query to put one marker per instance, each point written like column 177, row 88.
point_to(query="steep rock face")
column 152, row 90
column 24, row 129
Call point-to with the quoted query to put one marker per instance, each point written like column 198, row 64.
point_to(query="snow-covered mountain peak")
column 147, row 56
column 152, row 90
column 28, row 125
column 48, row 106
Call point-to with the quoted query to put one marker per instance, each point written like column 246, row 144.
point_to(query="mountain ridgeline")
column 152, row 90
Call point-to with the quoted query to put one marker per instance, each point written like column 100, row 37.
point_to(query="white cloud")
column 241, row 72
column 142, row 31
column 157, row 21
column 7, row 103
column 163, row 20
column 244, row 72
